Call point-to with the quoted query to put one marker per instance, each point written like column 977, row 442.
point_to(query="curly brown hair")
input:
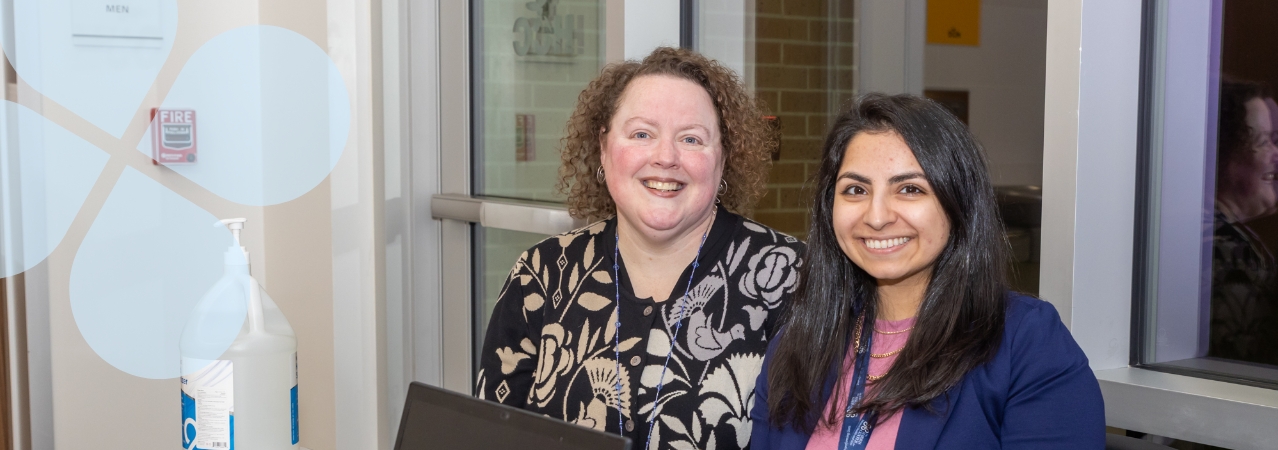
column 747, row 139
column 1235, row 135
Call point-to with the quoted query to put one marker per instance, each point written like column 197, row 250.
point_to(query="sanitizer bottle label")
column 292, row 395
column 208, row 408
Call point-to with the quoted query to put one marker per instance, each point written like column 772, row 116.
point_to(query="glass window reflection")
column 1207, row 287
column 1242, row 266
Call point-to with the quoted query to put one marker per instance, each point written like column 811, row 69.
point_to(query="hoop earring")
column 599, row 175
column 723, row 187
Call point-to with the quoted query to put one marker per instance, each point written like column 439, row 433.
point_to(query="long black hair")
column 960, row 322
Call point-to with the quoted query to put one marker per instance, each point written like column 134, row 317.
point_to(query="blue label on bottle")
column 188, row 420
column 208, row 408
column 293, row 396
column 189, row 429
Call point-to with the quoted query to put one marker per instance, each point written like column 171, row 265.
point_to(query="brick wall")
column 803, row 70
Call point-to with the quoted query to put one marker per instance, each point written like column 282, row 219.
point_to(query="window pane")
column 1210, row 307
column 496, row 251
column 528, row 68
column 530, row 61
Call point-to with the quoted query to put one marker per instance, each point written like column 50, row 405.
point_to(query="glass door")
column 528, row 61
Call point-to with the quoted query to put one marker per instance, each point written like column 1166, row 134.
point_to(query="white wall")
column 650, row 24
column 725, row 32
column 889, row 35
column 1089, row 204
column 1004, row 79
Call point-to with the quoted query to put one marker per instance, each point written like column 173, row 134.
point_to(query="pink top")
column 884, row 435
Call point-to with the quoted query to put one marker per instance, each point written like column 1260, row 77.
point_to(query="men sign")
column 172, row 136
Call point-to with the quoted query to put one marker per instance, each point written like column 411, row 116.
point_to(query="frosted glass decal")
column 97, row 59
column 147, row 260
column 273, row 115
column 267, row 109
column 45, row 174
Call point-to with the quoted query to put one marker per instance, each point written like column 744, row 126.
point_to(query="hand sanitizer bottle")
column 246, row 396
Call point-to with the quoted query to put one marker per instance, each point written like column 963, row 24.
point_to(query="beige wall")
column 1004, row 78
column 96, row 405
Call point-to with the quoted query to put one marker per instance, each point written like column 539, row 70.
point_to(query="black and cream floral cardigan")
column 549, row 345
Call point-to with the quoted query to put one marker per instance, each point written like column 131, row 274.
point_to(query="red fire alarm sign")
column 172, row 136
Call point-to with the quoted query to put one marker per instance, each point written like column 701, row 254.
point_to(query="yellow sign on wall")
column 956, row 22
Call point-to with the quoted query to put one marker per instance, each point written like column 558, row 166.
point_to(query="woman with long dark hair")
column 903, row 333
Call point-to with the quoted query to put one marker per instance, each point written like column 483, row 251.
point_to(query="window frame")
column 1091, row 142
column 1147, row 219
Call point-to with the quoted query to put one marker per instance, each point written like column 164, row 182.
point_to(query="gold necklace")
column 856, row 345
column 876, row 330
column 885, row 355
column 875, row 377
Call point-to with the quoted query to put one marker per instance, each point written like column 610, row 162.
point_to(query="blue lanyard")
column 857, row 428
column 616, row 278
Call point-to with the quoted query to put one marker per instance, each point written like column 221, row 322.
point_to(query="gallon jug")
column 245, row 397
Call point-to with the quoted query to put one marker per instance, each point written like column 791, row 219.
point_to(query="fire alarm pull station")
column 172, row 136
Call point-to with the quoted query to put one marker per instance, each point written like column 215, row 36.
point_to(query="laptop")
column 435, row 418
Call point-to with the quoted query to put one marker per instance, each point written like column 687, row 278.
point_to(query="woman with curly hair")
column 1244, row 305
column 652, row 322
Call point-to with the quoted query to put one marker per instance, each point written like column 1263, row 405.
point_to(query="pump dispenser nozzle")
column 235, row 225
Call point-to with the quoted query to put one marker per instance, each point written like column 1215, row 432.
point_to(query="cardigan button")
column 647, row 311
column 630, row 426
column 635, row 360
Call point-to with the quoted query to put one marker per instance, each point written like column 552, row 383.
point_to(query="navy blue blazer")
column 1037, row 393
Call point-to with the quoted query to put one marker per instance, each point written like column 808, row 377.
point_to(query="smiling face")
column 886, row 216
column 663, row 156
column 1248, row 180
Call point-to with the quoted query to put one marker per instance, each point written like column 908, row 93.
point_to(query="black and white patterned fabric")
column 549, row 346
column 1244, row 301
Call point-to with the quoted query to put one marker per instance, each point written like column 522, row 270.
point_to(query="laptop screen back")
column 435, row 419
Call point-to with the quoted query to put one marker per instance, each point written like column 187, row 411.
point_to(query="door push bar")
column 504, row 214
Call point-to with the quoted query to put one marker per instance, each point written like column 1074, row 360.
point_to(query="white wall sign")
column 116, row 22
